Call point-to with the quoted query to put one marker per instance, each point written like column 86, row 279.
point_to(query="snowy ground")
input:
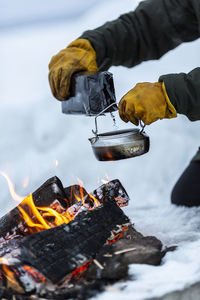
column 34, row 133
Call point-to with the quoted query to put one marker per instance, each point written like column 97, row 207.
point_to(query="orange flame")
column 38, row 277
column 6, row 271
column 96, row 202
column 14, row 195
column 25, row 182
column 37, row 217
column 81, row 197
column 40, row 223
column 42, row 218
column 80, row 182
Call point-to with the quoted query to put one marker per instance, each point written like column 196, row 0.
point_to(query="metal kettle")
column 119, row 144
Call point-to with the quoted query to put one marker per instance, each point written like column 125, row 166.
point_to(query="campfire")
column 67, row 243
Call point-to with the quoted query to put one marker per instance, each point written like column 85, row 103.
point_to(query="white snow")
column 23, row 12
column 34, row 133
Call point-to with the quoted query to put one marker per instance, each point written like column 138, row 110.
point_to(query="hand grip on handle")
column 95, row 132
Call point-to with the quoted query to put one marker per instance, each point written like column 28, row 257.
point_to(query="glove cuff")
column 170, row 111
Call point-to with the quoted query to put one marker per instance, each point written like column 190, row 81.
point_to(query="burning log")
column 110, row 264
column 93, row 246
column 51, row 192
column 74, row 194
column 57, row 252
column 110, row 192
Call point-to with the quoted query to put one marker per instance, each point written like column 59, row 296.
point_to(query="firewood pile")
column 61, row 243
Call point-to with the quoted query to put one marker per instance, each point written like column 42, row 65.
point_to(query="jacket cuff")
column 169, row 84
column 197, row 156
column 170, row 108
column 183, row 91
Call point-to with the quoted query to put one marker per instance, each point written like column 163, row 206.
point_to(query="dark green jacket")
column 155, row 27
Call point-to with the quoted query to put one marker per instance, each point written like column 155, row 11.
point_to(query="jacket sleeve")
column 155, row 27
column 183, row 91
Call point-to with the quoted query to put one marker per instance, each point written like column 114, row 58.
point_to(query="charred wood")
column 56, row 252
column 112, row 261
column 74, row 260
column 109, row 265
column 132, row 234
column 138, row 239
column 73, row 193
column 7, row 246
column 139, row 252
column 51, row 192
column 169, row 249
column 112, row 191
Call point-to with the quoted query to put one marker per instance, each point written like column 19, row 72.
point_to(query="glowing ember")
column 43, row 218
column 80, row 270
column 118, row 235
column 34, row 274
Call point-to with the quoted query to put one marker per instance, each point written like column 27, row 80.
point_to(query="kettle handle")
column 142, row 124
column 95, row 132
column 100, row 114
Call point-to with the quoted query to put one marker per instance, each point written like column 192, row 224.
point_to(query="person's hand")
column 78, row 56
column 147, row 102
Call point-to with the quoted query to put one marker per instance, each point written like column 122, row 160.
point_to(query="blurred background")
column 37, row 141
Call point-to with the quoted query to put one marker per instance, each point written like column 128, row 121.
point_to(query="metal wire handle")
column 96, row 128
column 142, row 124
column 95, row 132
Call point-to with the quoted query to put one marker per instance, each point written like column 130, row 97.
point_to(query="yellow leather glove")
column 78, row 56
column 147, row 102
